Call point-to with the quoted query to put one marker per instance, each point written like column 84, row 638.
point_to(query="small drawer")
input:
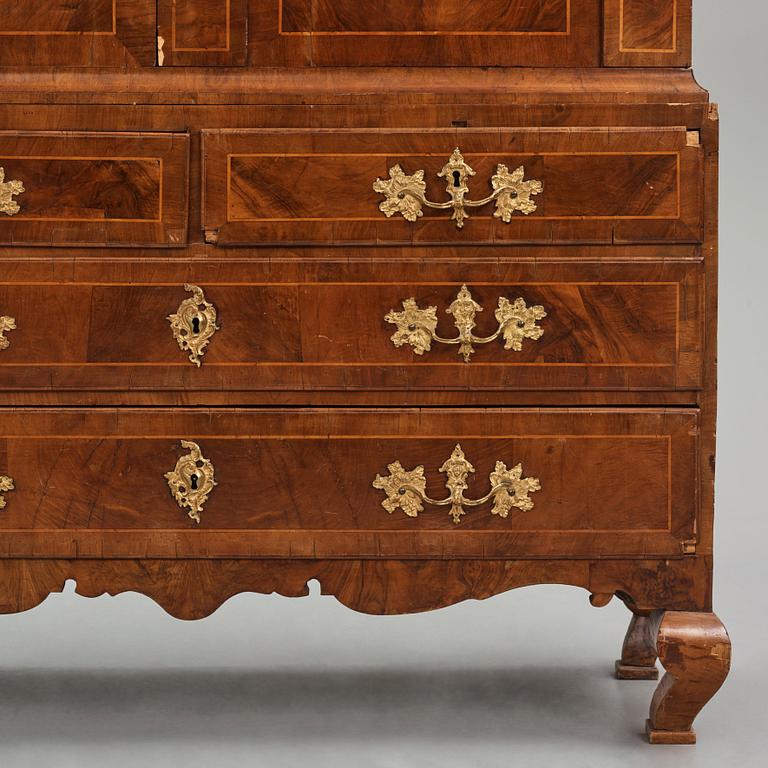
column 427, row 483
column 524, row 185
column 78, row 33
column 629, row 328
column 97, row 189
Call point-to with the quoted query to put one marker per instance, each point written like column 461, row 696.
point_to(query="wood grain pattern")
column 599, row 334
column 647, row 33
column 614, row 483
column 193, row 589
column 649, row 26
column 552, row 33
column 638, row 654
column 623, row 185
column 54, row 17
column 203, row 32
column 695, row 650
column 612, row 409
column 77, row 33
column 601, row 96
column 97, row 188
column 429, row 16
column 343, row 33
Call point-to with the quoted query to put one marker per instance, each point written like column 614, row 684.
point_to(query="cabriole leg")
column 638, row 655
column 695, row 650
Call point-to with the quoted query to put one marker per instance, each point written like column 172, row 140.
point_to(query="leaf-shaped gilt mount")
column 6, row 484
column 8, row 189
column 406, row 194
column 417, row 327
column 6, row 324
column 192, row 480
column 406, row 489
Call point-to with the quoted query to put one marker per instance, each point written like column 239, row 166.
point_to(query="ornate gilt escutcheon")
column 7, row 191
column 418, row 327
column 194, row 323
column 406, row 194
column 6, row 324
column 406, row 489
column 6, row 484
column 192, row 480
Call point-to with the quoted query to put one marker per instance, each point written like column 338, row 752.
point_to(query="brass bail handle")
column 417, row 327
column 406, row 194
column 406, row 489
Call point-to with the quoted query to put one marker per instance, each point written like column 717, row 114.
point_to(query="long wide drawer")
column 60, row 188
column 601, row 185
column 566, row 328
column 333, row 483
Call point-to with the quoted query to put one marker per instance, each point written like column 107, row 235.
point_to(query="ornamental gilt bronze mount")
column 6, row 324
column 406, row 194
column 407, row 489
column 6, row 484
column 417, row 327
column 192, row 480
column 7, row 190
column 194, row 323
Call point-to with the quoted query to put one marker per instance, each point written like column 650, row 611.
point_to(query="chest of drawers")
column 419, row 302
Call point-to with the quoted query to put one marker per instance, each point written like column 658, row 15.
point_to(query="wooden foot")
column 695, row 650
column 638, row 656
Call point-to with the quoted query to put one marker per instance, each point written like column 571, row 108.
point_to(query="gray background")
column 520, row 679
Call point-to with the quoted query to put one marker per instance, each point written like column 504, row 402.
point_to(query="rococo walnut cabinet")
column 417, row 299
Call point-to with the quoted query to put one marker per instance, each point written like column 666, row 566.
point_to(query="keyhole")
column 196, row 324
column 193, row 482
column 456, row 179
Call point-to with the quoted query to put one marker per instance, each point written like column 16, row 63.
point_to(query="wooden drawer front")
column 428, row 33
column 202, row 32
column 311, row 483
column 599, row 185
column 77, row 33
column 647, row 33
column 95, row 188
column 596, row 334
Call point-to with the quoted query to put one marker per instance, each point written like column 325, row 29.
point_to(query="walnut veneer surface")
column 261, row 324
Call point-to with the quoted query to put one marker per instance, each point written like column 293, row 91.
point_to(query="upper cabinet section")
column 345, row 33
column 428, row 33
column 78, row 33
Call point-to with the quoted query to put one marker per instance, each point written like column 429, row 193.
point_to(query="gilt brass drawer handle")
column 417, row 327
column 194, row 323
column 7, row 190
column 407, row 194
column 6, row 484
column 6, row 324
column 406, row 489
column 191, row 480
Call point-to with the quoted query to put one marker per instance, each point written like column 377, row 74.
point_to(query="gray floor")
column 521, row 679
